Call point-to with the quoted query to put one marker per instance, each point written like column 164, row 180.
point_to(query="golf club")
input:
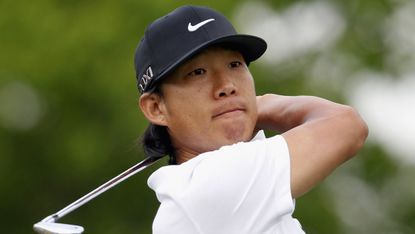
column 48, row 225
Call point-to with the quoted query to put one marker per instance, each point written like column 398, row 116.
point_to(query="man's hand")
column 320, row 135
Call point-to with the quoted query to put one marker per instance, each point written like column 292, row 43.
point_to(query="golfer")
column 224, row 175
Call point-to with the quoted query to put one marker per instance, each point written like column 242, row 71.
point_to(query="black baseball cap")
column 172, row 39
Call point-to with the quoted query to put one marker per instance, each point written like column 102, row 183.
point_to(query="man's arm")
column 320, row 135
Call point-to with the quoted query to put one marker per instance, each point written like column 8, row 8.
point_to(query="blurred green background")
column 69, row 119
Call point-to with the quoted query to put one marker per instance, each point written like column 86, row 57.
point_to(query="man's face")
column 209, row 102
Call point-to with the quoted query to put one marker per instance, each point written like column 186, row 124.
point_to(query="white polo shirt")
column 241, row 188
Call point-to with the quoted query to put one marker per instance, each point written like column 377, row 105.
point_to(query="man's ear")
column 152, row 106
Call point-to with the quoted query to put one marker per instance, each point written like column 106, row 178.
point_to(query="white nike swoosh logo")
column 193, row 28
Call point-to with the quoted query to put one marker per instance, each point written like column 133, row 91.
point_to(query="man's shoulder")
column 225, row 161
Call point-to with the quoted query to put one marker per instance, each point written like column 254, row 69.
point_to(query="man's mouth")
column 229, row 108
column 227, row 113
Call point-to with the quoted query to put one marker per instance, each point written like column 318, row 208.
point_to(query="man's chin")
column 233, row 136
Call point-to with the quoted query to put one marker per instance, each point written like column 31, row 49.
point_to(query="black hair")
column 156, row 140
column 156, row 143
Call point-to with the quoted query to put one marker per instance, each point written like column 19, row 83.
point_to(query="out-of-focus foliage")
column 69, row 119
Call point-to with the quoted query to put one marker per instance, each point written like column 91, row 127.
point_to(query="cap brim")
column 251, row 48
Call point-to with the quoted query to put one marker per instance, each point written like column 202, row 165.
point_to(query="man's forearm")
column 282, row 113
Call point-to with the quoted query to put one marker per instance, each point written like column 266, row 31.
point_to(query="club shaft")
column 101, row 189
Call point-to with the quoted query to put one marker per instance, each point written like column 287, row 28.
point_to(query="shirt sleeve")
column 243, row 187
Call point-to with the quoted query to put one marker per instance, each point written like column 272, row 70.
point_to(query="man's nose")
column 224, row 86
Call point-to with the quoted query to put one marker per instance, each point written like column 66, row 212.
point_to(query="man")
column 199, row 96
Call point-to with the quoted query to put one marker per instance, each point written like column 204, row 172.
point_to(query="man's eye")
column 235, row 64
column 199, row 71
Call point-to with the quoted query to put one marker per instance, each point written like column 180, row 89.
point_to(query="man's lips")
column 230, row 112
column 228, row 109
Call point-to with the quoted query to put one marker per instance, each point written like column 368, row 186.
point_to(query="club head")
column 49, row 225
column 57, row 228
